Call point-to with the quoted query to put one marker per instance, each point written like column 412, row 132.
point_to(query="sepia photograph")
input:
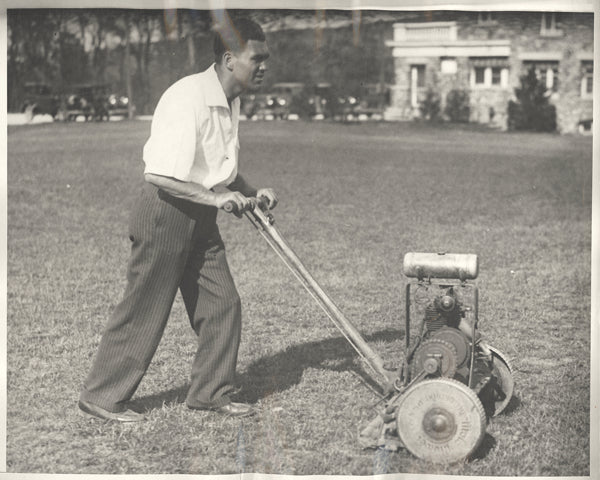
column 337, row 239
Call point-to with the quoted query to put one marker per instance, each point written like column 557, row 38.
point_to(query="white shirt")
column 194, row 133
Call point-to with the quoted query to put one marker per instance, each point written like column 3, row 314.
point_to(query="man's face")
column 249, row 65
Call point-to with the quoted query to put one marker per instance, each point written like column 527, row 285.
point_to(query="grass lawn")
column 353, row 200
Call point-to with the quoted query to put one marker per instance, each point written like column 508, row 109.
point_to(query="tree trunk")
column 127, row 70
column 144, row 26
column 191, row 47
column 143, row 59
column 188, row 31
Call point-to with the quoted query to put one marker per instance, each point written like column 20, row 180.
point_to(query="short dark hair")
column 232, row 34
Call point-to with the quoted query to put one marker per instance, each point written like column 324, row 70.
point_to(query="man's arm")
column 240, row 185
column 194, row 192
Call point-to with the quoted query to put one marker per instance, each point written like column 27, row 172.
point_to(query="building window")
column 480, row 75
column 489, row 72
column 587, row 79
column 549, row 25
column 547, row 73
column 496, row 75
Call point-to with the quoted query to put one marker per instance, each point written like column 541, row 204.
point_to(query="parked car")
column 87, row 101
column 253, row 104
column 279, row 101
column 285, row 98
column 118, row 105
column 345, row 106
column 95, row 102
column 372, row 100
column 325, row 102
column 40, row 99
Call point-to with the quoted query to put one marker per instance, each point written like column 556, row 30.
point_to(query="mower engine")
column 450, row 381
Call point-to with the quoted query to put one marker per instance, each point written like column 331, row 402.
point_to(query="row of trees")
column 140, row 52
column 67, row 47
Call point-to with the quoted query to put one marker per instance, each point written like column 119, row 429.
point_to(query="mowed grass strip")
column 353, row 200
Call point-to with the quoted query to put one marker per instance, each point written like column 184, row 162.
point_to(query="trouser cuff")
column 106, row 405
column 220, row 402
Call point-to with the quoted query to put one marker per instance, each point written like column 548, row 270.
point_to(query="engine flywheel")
column 435, row 356
column 440, row 420
column 459, row 340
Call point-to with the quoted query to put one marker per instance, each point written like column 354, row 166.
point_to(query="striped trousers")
column 175, row 245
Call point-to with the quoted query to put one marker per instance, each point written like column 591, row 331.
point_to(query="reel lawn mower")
column 437, row 403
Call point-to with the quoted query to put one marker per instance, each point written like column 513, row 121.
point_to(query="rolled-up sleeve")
column 171, row 148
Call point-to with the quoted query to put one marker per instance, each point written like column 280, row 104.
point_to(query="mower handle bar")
column 264, row 223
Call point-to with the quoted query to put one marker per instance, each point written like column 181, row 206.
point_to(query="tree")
column 97, row 25
column 430, row 106
column 145, row 23
column 123, row 27
column 458, row 106
column 33, row 52
column 532, row 110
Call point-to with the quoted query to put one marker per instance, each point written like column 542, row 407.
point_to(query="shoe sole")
column 109, row 415
column 225, row 414
column 240, row 415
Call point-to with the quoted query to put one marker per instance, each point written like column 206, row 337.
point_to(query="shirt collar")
column 215, row 95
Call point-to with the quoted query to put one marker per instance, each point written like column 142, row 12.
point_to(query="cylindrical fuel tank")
column 463, row 266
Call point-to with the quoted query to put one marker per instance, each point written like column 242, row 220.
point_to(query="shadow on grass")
column 515, row 402
column 151, row 402
column 281, row 371
column 489, row 442
column 487, row 445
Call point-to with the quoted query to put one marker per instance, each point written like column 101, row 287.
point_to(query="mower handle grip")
column 261, row 202
column 230, row 207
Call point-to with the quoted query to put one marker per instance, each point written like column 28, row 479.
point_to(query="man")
column 193, row 148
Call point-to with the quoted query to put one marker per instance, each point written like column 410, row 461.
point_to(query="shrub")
column 532, row 109
column 430, row 106
column 458, row 106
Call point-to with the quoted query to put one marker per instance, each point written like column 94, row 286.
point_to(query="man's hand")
column 241, row 202
column 269, row 195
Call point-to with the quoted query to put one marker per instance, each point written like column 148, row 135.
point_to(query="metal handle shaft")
column 274, row 238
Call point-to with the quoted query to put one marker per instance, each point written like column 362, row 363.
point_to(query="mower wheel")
column 440, row 420
column 505, row 384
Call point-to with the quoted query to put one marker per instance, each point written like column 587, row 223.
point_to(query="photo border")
column 530, row 5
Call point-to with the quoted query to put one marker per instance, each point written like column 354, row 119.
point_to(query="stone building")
column 485, row 54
